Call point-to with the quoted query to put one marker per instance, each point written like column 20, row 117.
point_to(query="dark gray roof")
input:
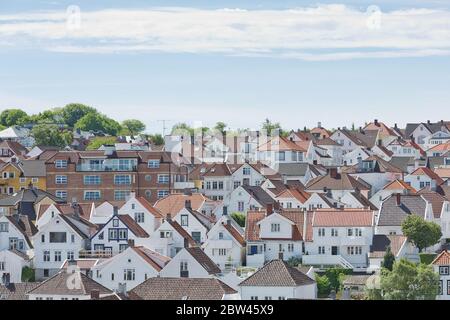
column 369, row 137
column 392, row 214
column 277, row 273
column 16, row 291
column 435, row 162
column 33, row 168
column 402, row 162
column 293, row 169
column 259, row 195
column 381, row 242
column 433, row 127
column 181, row 288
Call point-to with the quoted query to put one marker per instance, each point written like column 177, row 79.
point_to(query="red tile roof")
column 343, row 218
column 428, row 172
column 149, row 207
column 442, row 259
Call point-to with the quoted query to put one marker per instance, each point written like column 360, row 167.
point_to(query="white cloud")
column 328, row 32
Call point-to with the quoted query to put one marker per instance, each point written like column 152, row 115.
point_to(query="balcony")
column 326, row 260
column 183, row 185
column 105, row 168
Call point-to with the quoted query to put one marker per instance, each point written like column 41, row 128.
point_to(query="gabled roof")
column 381, row 242
column 70, row 220
column 173, row 203
column 67, row 208
column 147, row 205
column 342, row 181
column 363, row 201
column 443, row 259
column 443, row 147
column 392, row 214
column 156, row 260
column 291, row 192
column 343, row 218
column 202, row 258
column 183, row 233
column 280, row 186
column 133, row 226
column 16, row 148
column 181, row 288
column 258, row 193
column 59, row 285
column 25, row 226
column 234, row 233
column 436, row 200
column 281, row 144
column 17, row 291
column 399, row 185
column 277, row 273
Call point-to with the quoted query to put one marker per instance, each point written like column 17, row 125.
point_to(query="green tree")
column 294, row 261
column 51, row 135
column 98, row 122
column 48, row 116
column 133, row 126
column 97, row 142
column 388, row 260
column 421, row 233
column 269, row 126
column 182, row 128
column 27, row 274
column 13, row 117
column 73, row 112
column 157, row 139
column 409, row 281
column 239, row 217
column 323, row 286
column 220, row 126
column 336, row 276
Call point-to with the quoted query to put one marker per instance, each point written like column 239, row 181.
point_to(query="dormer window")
column 220, row 235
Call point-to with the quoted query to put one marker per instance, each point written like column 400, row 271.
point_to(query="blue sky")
column 195, row 61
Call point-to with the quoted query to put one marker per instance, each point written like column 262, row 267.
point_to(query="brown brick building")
column 111, row 175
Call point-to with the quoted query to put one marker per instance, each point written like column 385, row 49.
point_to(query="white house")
column 341, row 237
column 16, row 232
column 225, row 244
column 423, row 177
column 63, row 237
column 129, row 268
column 196, row 224
column 281, row 150
column 396, row 186
column 102, row 213
column 113, row 237
column 404, row 148
column 437, row 138
column 245, row 198
column 278, row 281
column 170, row 238
column 347, row 140
column 354, row 157
column 441, row 265
column 295, row 198
column 191, row 262
column 247, row 174
column 268, row 234
column 48, row 211
column 11, row 264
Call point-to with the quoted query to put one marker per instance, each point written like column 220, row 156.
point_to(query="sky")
column 294, row 62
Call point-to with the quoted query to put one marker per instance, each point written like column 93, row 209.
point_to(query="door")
column 334, row 251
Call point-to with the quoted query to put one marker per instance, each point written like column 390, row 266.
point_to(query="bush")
column 294, row 261
column 239, row 217
column 323, row 286
column 336, row 276
column 427, row 258
column 27, row 274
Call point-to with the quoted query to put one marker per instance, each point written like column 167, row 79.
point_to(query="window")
column 163, row 178
column 23, row 180
column 444, row 270
column 334, row 232
column 448, row 287
column 58, row 237
column 281, row 156
column 236, row 184
column 42, row 238
column 46, row 256
column 123, row 234
column 321, row 250
column 139, row 217
column 2, row 266
column 220, row 185
column 129, row 274
column 254, row 298
column 62, row 194
column 61, row 179
column 72, row 238
column 208, row 185
column 197, row 236
column 92, row 195
column 290, row 247
column 70, row 255
column 115, row 222
column 112, row 276
column 4, row 227
column 154, row 164
column 123, row 247
column 281, row 298
column 240, row 206
column 220, row 235
column 222, row 252
column 92, row 180
column 121, row 195
column 321, row 232
column 275, row 227
column 57, row 256
column 350, row 232
column 61, row 164
column 122, row 179
column 246, row 171
column 184, row 220
column 163, row 193
column 34, row 180
column 358, row 232
column 214, row 185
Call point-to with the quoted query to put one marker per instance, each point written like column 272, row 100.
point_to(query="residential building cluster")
column 217, row 216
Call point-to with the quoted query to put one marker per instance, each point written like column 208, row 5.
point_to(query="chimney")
column 95, row 294
column 269, row 209
column 361, row 130
column 76, row 209
column 333, row 173
column 376, row 122
column 225, row 211
column 319, row 125
column 280, row 255
column 13, row 160
column 395, row 126
column 115, row 210
column 428, row 121
column 131, row 243
column 397, row 199
column 168, row 217
column 187, row 204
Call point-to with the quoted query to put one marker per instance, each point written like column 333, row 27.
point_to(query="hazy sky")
column 296, row 62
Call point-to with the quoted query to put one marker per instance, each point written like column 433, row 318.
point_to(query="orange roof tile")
column 343, row 218
column 442, row 259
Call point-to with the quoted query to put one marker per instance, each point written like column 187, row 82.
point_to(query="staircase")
column 344, row 263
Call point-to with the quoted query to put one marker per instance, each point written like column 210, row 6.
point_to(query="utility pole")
column 164, row 125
